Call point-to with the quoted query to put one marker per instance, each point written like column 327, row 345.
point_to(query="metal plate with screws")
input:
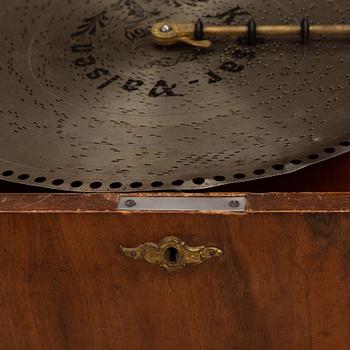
column 230, row 204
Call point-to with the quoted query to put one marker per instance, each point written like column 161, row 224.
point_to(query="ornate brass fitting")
column 171, row 253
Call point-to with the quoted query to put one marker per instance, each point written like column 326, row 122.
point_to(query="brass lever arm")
column 170, row 33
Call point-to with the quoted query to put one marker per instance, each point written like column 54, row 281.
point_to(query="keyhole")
column 171, row 254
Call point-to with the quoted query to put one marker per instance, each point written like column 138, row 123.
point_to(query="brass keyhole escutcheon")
column 171, row 253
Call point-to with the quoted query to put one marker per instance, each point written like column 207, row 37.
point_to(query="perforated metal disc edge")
column 89, row 103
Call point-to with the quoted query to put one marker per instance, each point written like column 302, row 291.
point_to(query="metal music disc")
column 89, row 103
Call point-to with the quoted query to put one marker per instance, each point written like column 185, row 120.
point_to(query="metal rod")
column 278, row 30
column 170, row 33
column 336, row 29
column 226, row 30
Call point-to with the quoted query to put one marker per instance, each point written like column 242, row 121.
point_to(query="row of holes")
column 197, row 181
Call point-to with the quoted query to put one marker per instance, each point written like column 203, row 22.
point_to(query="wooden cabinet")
column 282, row 281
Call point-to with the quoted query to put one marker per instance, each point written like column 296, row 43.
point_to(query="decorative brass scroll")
column 171, row 253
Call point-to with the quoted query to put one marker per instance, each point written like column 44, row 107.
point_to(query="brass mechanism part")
column 171, row 253
column 176, row 33
column 185, row 33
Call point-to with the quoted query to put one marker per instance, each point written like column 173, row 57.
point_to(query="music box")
column 174, row 174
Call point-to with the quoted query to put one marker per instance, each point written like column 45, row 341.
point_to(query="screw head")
column 130, row 203
column 234, row 204
column 165, row 28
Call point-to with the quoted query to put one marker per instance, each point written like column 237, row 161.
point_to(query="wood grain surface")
column 282, row 283
column 108, row 202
